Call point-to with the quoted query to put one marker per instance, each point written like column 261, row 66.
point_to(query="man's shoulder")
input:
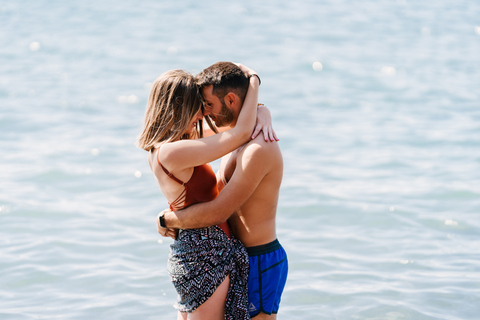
column 259, row 148
column 260, row 158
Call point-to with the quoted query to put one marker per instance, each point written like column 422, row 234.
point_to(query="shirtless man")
column 249, row 179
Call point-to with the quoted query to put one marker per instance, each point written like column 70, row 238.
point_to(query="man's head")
column 224, row 87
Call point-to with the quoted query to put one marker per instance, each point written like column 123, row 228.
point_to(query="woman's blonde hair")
column 173, row 102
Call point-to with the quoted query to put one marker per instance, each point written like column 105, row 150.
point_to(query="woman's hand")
column 248, row 72
column 264, row 123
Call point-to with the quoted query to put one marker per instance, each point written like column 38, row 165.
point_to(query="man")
column 249, row 180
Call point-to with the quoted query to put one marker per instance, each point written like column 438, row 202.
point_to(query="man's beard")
column 225, row 117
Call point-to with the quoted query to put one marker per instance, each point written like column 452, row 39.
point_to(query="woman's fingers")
column 256, row 131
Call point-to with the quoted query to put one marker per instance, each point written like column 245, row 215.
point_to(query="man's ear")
column 231, row 100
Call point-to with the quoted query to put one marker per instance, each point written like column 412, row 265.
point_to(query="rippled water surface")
column 377, row 105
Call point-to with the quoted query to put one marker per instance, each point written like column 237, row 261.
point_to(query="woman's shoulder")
column 163, row 153
column 168, row 158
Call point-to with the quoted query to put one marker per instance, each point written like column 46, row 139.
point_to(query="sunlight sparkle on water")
column 172, row 50
column 425, row 31
column 34, row 46
column 389, row 71
column 131, row 99
column 451, row 223
column 317, row 66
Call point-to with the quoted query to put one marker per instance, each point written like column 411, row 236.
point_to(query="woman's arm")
column 207, row 131
column 263, row 124
column 184, row 154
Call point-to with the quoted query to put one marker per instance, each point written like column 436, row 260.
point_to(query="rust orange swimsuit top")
column 201, row 187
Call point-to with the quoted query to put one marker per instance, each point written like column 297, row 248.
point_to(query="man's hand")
column 166, row 232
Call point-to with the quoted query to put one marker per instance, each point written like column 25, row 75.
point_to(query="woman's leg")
column 214, row 307
column 182, row 315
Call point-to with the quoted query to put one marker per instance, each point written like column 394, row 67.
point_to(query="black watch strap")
column 162, row 220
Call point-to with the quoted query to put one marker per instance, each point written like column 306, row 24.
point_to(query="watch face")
column 162, row 220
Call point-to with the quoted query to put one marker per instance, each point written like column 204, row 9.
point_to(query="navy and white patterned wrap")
column 199, row 261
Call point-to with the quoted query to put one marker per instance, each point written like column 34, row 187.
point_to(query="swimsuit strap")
column 178, row 203
column 170, row 175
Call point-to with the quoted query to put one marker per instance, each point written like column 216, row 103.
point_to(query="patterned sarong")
column 199, row 261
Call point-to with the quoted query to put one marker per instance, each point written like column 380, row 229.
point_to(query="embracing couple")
column 226, row 261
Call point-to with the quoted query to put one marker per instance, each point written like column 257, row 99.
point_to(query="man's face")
column 216, row 108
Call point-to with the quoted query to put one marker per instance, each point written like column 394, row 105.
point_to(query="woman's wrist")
column 255, row 75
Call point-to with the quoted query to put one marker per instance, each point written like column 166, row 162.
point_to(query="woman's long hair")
column 173, row 102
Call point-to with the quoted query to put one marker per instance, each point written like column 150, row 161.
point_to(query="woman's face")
column 193, row 123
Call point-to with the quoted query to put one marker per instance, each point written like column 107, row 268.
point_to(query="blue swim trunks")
column 267, row 277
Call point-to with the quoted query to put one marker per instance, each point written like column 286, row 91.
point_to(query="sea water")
column 377, row 106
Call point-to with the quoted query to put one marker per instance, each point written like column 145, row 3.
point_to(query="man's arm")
column 252, row 166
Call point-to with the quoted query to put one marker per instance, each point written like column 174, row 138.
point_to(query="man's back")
column 258, row 165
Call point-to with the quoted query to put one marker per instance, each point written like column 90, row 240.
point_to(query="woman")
column 206, row 264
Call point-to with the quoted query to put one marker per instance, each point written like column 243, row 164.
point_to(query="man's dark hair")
column 225, row 77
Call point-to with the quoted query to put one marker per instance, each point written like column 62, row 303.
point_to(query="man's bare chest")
column 228, row 165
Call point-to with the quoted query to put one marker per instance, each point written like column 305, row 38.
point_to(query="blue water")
column 376, row 103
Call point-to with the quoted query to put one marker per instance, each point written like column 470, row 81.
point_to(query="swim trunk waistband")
column 264, row 248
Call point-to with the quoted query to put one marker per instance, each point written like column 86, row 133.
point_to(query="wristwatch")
column 162, row 220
